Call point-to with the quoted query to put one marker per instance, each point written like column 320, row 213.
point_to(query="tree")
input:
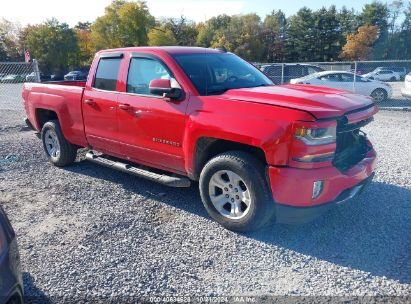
column 184, row 31
column 86, row 51
column 358, row 46
column 377, row 14
column 273, row 36
column 348, row 23
column 10, row 48
column 53, row 44
column 160, row 36
column 301, row 36
column 123, row 24
column 212, row 30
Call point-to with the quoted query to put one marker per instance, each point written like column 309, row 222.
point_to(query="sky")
column 72, row 11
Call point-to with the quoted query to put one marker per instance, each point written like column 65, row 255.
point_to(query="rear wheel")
column 379, row 95
column 235, row 192
column 59, row 151
column 393, row 78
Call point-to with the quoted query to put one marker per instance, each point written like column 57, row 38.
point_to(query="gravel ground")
column 88, row 231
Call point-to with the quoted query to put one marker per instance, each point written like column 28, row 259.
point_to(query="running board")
column 171, row 181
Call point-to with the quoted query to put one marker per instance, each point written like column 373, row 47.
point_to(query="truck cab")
column 179, row 114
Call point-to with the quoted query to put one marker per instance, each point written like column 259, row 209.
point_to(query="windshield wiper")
column 221, row 91
column 261, row 85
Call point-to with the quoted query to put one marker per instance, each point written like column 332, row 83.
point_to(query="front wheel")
column 379, row 95
column 59, row 151
column 235, row 192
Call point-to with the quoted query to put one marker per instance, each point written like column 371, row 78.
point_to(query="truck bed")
column 62, row 99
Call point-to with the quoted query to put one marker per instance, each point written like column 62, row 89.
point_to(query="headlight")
column 316, row 136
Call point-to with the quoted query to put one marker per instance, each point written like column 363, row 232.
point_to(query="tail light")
column 313, row 144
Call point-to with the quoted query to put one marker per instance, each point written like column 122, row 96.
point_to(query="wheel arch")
column 44, row 115
column 208, row 147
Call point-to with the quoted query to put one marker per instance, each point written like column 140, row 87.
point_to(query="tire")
column 393, row 79
column 64, row 153
column 251, row 194
column 379, row 95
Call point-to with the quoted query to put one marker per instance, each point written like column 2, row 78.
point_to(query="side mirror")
column 162, row 87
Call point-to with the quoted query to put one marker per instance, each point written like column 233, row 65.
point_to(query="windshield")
column 215, row 73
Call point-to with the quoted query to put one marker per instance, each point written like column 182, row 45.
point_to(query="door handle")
column 90, row 102
column 124, row 106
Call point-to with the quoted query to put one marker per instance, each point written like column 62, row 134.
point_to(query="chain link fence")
column 12, row 77
column 382, row 80
column 385, row 81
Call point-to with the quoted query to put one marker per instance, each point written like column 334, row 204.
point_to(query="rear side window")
column 273, row 71
column 294, row 71
column 107, row 74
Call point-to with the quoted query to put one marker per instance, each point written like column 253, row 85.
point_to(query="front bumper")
column 293, row 188
column 299, row 215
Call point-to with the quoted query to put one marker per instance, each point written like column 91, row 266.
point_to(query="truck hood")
column 321, row 102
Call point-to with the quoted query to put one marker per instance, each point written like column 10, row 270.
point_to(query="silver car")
column 379, row 91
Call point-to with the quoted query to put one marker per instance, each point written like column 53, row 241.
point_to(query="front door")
column 100, row 107
column 151, row 129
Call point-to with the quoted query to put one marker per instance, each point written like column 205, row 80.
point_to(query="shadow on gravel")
column 187, row 199
column 32, row 294
column 370, row 233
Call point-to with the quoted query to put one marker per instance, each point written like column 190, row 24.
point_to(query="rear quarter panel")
column 64, row 100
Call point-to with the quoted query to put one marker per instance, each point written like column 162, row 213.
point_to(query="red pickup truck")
column 180, row 114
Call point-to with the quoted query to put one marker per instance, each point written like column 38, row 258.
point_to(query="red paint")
column 163, row 134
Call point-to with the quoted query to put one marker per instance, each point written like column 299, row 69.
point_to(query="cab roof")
column 172, row 50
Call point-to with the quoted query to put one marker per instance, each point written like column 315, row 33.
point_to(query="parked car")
column 378, row 90
column 400, row 70
column 291, row 70
column 76, row 75
column 13, row 78
column 2, row 75
column 406, row 90
column 56, row 77
column 383, row 75
column 33, row 78
column 11, row 287
column 249, row 143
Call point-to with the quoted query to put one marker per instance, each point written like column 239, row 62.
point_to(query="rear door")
column 151, row 128
column 332, row 81
column 100, row 105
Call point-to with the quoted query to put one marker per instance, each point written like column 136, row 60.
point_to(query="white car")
column 378, row 90
column 383, row 75
column 406, row 90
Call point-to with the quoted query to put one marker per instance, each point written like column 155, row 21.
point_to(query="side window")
column 294, row 71
column 142, row 71
column 273, row 71
column 331, row 77
column 347, row 78
column 311, row 70
column 107, row 73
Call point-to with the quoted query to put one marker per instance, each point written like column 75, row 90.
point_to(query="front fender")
column 263, row 126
